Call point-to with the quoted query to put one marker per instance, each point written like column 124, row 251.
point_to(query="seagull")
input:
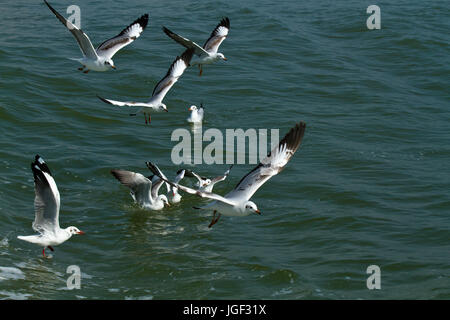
column 162, row 87
column 46, row 210
column 196, row 115
column 144, row 191
column 208, row 53
column 237, row 202
column 172, row 192
column 206, row 184
column 100, row 59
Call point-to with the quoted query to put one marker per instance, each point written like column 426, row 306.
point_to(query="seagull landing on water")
column 159, row 92
column 172, row 192
column 144, row 190
column 237, row 202
column 206, row 184
column 46, row 210
column 208, row 53
column 100, row 59
column 196, row 115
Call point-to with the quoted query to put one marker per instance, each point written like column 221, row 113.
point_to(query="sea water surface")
column 369, row 185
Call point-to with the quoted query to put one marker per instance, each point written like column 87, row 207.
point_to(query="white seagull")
column 144, row 191
column 159, row 92
column 208, row 53
column 196, row 115
column 46, row 210
column 172, row 192
column 206, row 184
column 236, row 202
column 100, row 59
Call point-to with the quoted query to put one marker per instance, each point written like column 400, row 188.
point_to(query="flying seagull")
column 144, row 191
column 196, row 115
column 46, row 210
column 162, row 87
column 100, row 59
column 237, row 202
column 208, row 53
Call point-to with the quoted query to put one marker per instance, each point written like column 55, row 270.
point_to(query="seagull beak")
column 114, row 67
column 258, row 212
column 166, row 110
column 225, row 59
column 190, row 109
column 81, row 232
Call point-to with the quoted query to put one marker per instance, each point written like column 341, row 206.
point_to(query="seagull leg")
column 81, row 68
column 51, row 248
column 145, row 116
column 149, row 118
column 43, row 252
column 214, row 220
column 86, row 71
column 201, row 70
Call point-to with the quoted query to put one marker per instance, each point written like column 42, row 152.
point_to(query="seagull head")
column 250, row 207
column 164, row 199
column 221, row 56
column 163, row 107
column 206, row 182
column 110, row 63
column 192, row 108
column 74, row 230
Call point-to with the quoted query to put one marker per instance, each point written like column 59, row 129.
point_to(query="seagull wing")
column 154, row 168
column 219, row 34
column 199, row 51
column 109, row 47
column 271, row 165
column 179, row 176
column 140, row 186
column 175, row 71
column 125, row 103
column 47, row 199
column 202, row 194
column 222, row 177
column 83, row 40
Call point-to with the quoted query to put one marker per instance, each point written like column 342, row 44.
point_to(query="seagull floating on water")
column 144, row 190
column 236, row 202
column 196, row 115
column 159, row 92
column 46, row 210
column 100, row 59
column 208, row 53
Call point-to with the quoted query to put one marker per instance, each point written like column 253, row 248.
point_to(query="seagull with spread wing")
column 237, row 202
column 203, row 183
column 46, row 210
column 144, row 190
column 172, row 192
column 100, row 59
column 159, row 92
column 208, row 53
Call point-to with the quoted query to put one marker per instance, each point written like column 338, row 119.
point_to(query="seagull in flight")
column 196, row 115
column 237, row 202
column 100, row 59
column 46, row 210
column 208, row 53
column 144, row 190
column 162, row 87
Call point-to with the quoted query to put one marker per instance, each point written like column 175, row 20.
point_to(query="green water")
column 369, row 185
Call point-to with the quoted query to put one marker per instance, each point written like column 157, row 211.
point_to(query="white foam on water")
column 11, row 273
